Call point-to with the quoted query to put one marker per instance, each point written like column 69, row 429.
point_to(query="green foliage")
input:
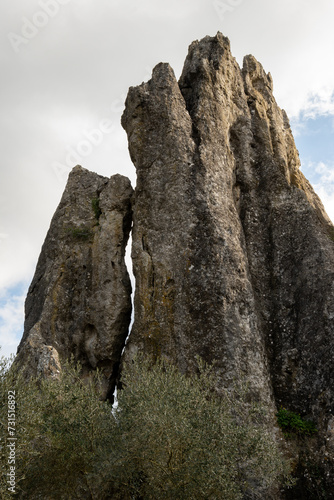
column 179, row 439
column 291, row 422
column 81, row 233
column 171, row 437
column 8, row 382
column 96, row 208
column 63, row 432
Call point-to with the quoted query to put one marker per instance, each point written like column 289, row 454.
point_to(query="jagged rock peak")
column 79, row 300
column 233, row 252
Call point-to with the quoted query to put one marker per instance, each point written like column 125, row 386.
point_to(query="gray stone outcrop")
column 233, row 252
column 79, row 301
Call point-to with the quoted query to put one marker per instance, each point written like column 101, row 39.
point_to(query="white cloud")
column 324, row 186
column 326, row 194
column 326, row 173
column 11, row 324
column 18, row 260
column 173, row 9
column 321, row 103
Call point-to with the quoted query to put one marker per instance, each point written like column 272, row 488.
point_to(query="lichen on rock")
column 232, row 249
column 79, row 302
column 233, row 253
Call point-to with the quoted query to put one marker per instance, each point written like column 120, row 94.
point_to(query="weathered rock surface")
column 193, row 290
column 79, row 301
column 233, row 252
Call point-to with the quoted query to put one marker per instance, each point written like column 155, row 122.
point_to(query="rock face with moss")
column 194, row 293
column 79, row 302
column 233, row 252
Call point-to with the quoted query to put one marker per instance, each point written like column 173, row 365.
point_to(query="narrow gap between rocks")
column 128, row 263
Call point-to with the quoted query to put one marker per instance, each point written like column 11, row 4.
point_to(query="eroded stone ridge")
column 193, row 289
column 233, row 252
column 79, row 302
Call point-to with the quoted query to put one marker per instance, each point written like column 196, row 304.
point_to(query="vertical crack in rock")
column 233, row 252
column 212, row 86
column 79, row 302
column 187, row 232
column 291, row 255
column 159, row 130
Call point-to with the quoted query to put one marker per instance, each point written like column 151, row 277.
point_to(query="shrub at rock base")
column 169, row 437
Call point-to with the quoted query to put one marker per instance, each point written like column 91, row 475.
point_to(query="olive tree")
column 179, row 439
column 170, row 436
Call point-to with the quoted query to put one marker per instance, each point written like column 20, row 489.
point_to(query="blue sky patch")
column 314, row 138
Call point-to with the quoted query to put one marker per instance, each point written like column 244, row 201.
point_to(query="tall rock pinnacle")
column 79, row 302
column 193, row 288
column 233, row 252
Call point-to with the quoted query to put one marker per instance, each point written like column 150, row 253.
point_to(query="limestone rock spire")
column 79, row 301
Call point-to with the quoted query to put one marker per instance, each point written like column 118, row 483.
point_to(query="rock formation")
column 194, row 293
column 233, row 252
column 79, row 302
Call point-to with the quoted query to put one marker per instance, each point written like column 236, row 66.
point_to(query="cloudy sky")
column 66, row 66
